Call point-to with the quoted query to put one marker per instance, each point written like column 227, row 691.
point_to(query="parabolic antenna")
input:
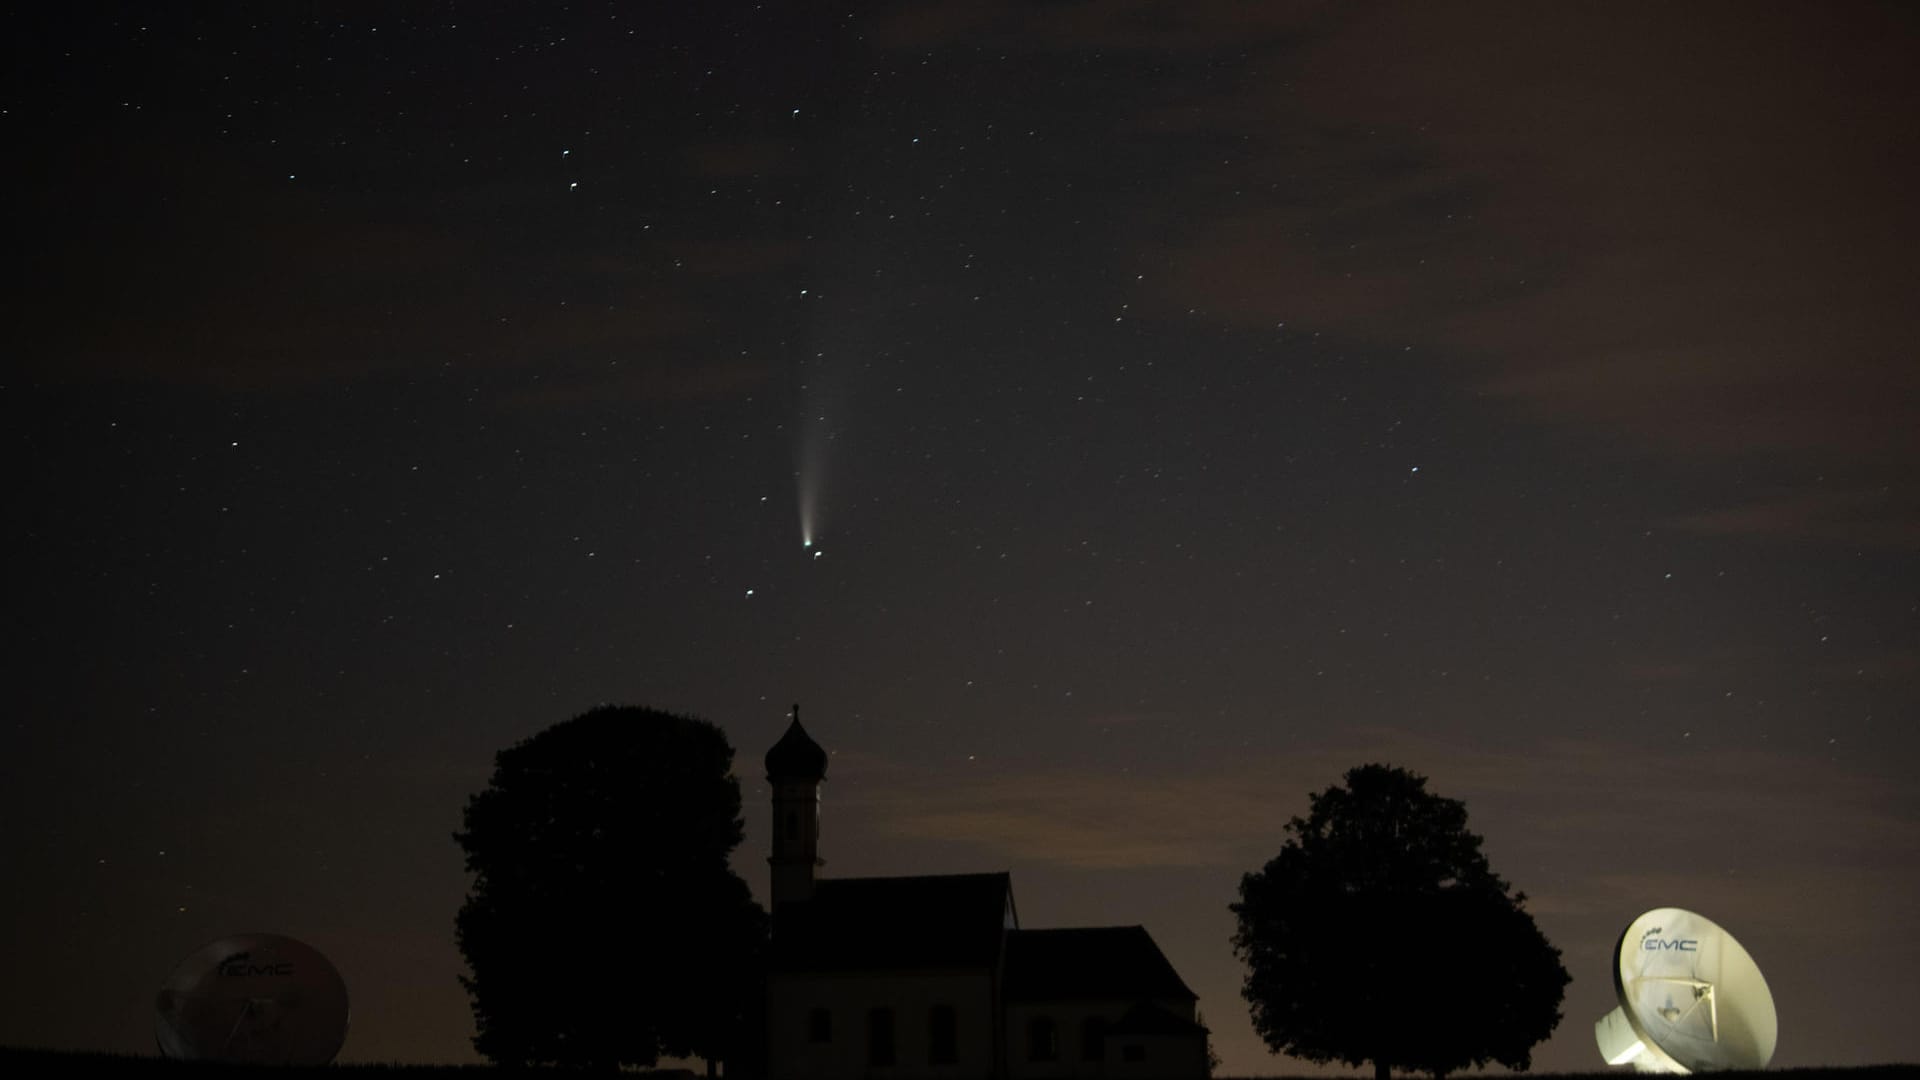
column 253, row 999
column 1691, row 999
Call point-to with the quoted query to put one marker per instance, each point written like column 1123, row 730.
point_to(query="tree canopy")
column 1380, row 934
column 605, row 926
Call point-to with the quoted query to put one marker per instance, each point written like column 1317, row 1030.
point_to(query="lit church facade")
column 933, row 977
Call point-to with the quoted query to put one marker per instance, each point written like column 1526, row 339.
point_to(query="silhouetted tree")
column 604, row 926
column 1379, row 934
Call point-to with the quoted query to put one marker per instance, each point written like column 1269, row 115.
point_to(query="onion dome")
column 796, row 756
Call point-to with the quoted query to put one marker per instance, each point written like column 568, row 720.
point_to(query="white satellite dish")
column 253, row 999
column 1691, row 999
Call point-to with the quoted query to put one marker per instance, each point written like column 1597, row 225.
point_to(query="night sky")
column 1186, row 401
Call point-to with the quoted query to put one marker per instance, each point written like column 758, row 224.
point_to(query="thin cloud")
column 1105, row 822
column 1702, row 262
column 1877, row 518
column 1562, row 795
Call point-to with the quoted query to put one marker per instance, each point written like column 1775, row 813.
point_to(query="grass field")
column 18, row 1064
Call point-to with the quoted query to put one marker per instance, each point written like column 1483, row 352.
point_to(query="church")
column 895, row 978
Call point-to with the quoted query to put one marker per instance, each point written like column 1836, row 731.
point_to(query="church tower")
column 795, row 767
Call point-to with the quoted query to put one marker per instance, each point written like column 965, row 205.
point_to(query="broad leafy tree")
column 605, row 926
column 1380, row 934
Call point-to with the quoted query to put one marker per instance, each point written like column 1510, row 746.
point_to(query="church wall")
column 1156, row 1057
column 849, row 998
column 1163, row 1057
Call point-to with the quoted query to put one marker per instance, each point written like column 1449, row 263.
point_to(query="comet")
column 817, row 433
column 809, row 474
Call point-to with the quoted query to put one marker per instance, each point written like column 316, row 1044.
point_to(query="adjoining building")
column 895, row 978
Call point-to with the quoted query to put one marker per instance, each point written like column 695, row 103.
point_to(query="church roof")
column 1095, row 962
column 895, row 924
column 796, row 756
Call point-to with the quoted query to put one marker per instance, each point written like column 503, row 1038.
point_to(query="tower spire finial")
column 795, row 767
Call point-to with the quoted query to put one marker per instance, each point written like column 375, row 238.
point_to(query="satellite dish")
column 1691, row 999
column 252, row 999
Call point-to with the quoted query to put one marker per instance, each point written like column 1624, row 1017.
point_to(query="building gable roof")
column 1089, row 963
column 941, row 922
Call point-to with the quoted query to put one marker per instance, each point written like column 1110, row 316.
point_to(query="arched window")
column 943, row 1042
column 820, row 1026
column 880, row 1036
column 1043, row 1039
column 1093, row 1039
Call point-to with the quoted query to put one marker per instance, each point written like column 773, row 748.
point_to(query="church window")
column 1133, row 1052
column 880, row 1036
column 1043, row 1039
column 943, row 1043
column 1093, row 1039
column 820, row 1026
